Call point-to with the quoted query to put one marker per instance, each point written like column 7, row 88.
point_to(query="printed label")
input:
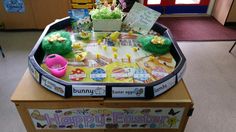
column 97, row 75
column 102, row 118
column 33, row 71
column 53, row 86
column 161, row 88
column 181, row 72
column 119, row 92
column 88, row 90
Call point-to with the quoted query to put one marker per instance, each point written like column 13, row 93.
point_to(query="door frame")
column 169, row 7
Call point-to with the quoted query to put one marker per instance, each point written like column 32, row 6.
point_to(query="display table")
column 42, row 110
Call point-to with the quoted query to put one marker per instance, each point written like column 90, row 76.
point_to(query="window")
column 187, row 1
column 153, row 2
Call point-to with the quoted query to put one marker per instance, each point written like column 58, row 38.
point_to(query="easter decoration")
column 155, row 44
column 57, row 42
column 56, row 64
column 107, row 17
column 105, row 56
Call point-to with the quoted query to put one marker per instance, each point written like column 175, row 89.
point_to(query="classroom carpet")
column 198, row 29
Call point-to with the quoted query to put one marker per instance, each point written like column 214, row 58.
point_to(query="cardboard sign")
column 88, row 90
column 128, row 92
column 53, row 86
column 102, row 118
column 141, row 18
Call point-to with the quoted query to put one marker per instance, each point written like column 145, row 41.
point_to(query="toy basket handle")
column 51, row 56
column 61, row 68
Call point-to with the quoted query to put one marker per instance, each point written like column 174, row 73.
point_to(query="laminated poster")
column 14, row 6
column 141, row 18
column 102, row 118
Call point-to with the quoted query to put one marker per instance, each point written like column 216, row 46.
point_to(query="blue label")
column 14, row 6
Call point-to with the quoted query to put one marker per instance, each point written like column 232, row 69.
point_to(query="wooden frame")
column 36, row 97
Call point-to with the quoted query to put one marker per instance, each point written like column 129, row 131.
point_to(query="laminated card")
column 141, row 18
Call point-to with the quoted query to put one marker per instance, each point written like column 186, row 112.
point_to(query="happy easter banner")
column 102, row 118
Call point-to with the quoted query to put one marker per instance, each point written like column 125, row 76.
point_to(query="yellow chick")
column 80, row 56
column 115, row 55
column 114, row 36
column 104, row 47
column 99, row 41
column 135, row 49
column 128, row 57
column 114, row 49
column 157, row 40
column 76, row 45
column 98, row 56
column 151, row 58
column 130, row 32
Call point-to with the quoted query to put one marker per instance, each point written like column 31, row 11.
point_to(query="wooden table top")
column 29, row 90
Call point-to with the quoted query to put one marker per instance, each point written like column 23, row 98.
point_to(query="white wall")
column 210, row 7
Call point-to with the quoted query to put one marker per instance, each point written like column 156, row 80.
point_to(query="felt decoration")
column 58, row 42
column 155, row 44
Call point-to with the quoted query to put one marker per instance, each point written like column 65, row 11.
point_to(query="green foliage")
column 106, row 13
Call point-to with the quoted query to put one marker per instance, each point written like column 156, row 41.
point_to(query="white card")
column 141, row 18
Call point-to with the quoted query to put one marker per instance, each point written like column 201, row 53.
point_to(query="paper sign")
column 33, row 71
column 14, row 6
column 161, row 88
column 126, row 92
column 53, row 86
column 141, row 18
column 102, row 118
column 88, row 90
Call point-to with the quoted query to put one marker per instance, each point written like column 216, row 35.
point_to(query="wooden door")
column 24, row 20
column 221, row 10
column 47, row 11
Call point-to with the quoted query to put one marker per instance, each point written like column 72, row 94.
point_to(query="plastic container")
column 107, row 24
column 56, row 64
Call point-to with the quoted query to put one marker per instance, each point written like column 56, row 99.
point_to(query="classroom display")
column 71, row 59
